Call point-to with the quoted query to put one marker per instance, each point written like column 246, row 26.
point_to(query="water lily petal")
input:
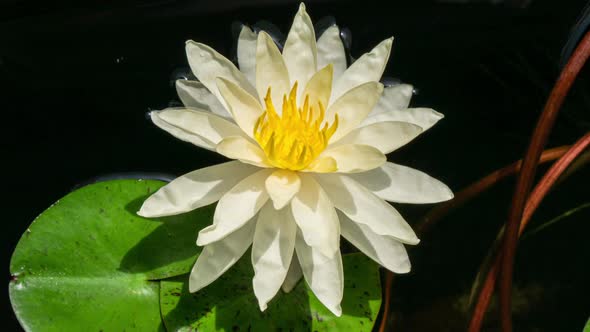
column 293, row 275
column 247, row 53
column 207, row 65
column 316, row 217
column 244, row 108
column 281, row 186
column 363, row 207
column 395, row 97
column 324, row 274
column 181, row 133
column 385, row 250
column 385, row 136
column 195, row 95
column 218, row 257
column 207, row 125
column 236, row 207
column 352, row 158
column 331, row 51
column 319, row 87
column 244, row 150
column 367, row 68
column 353, row 107
column 397, row 183
column 195, row 189
column 423, row 117
column 272, row 251
column 300, row 51
column 322, row 165
column 271, row 71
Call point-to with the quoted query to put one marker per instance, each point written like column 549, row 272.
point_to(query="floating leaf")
column 229, row 303
column 87, row 261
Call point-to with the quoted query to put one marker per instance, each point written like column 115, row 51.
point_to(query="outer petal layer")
column 323, row 274
column 353, row 107
column 385, row 250
column 423, row 117
column 394, row 98
column 352, row 158
column 385, row 136
column 331, row 51
column 271, row 71
column 293, row 275
column 218, row 257
column 316, row 217
column 272, row 251
column 207, row 65
column 236, row 207
column 397, row 183
column 194, row 94
column 195, row 189
column 206, row 125
column 281, row 186
column 300, row 51
column 363, row 207
column 368, row 68
column 247, row 53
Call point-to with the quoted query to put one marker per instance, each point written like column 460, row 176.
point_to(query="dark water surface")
column 76, row 82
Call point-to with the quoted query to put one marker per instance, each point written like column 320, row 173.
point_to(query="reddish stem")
column 386, row 305
column 480, row 186
column 527, row 174
column 533, row 202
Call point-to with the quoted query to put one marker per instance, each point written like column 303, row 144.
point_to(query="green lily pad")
column 87, row 262
column 587, row 327
column 228, row 304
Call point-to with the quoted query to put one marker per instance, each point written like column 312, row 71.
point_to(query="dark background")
column 76, row 80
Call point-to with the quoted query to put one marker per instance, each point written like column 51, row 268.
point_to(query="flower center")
column 293, row 139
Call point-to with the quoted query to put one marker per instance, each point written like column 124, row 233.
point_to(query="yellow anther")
column 293, row 139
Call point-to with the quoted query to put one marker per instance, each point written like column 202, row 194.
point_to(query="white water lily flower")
column 308, row 137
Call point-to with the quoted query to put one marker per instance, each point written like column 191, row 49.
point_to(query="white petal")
column 367, row 68
column 423, row 117
column 281, row 186
column 271, row 71
column 272, row 251
column 236, row 207
column 195, row 189
column 218, row 257
column 397, row 183
column 352, row 158
column 385, row 136
column 244, row 150
column 247, row 53
column 207, row 65
column 323, row 274
column 353, row 107
column 331, row 50
column 394, row 98
column 207, row 125
column 322, row 165
column 244, row 108
column 181, row 133
column 319, row 87
column 300, row 51
column 293, row 275
column 363, row 207
column 385, row 250
column 316, row 217
column 195, row 95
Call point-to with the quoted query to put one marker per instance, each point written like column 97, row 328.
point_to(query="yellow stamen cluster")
column 293, row 139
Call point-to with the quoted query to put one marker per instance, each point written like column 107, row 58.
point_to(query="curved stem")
column 387, row 304
column 533, row 202
column 529, row 166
